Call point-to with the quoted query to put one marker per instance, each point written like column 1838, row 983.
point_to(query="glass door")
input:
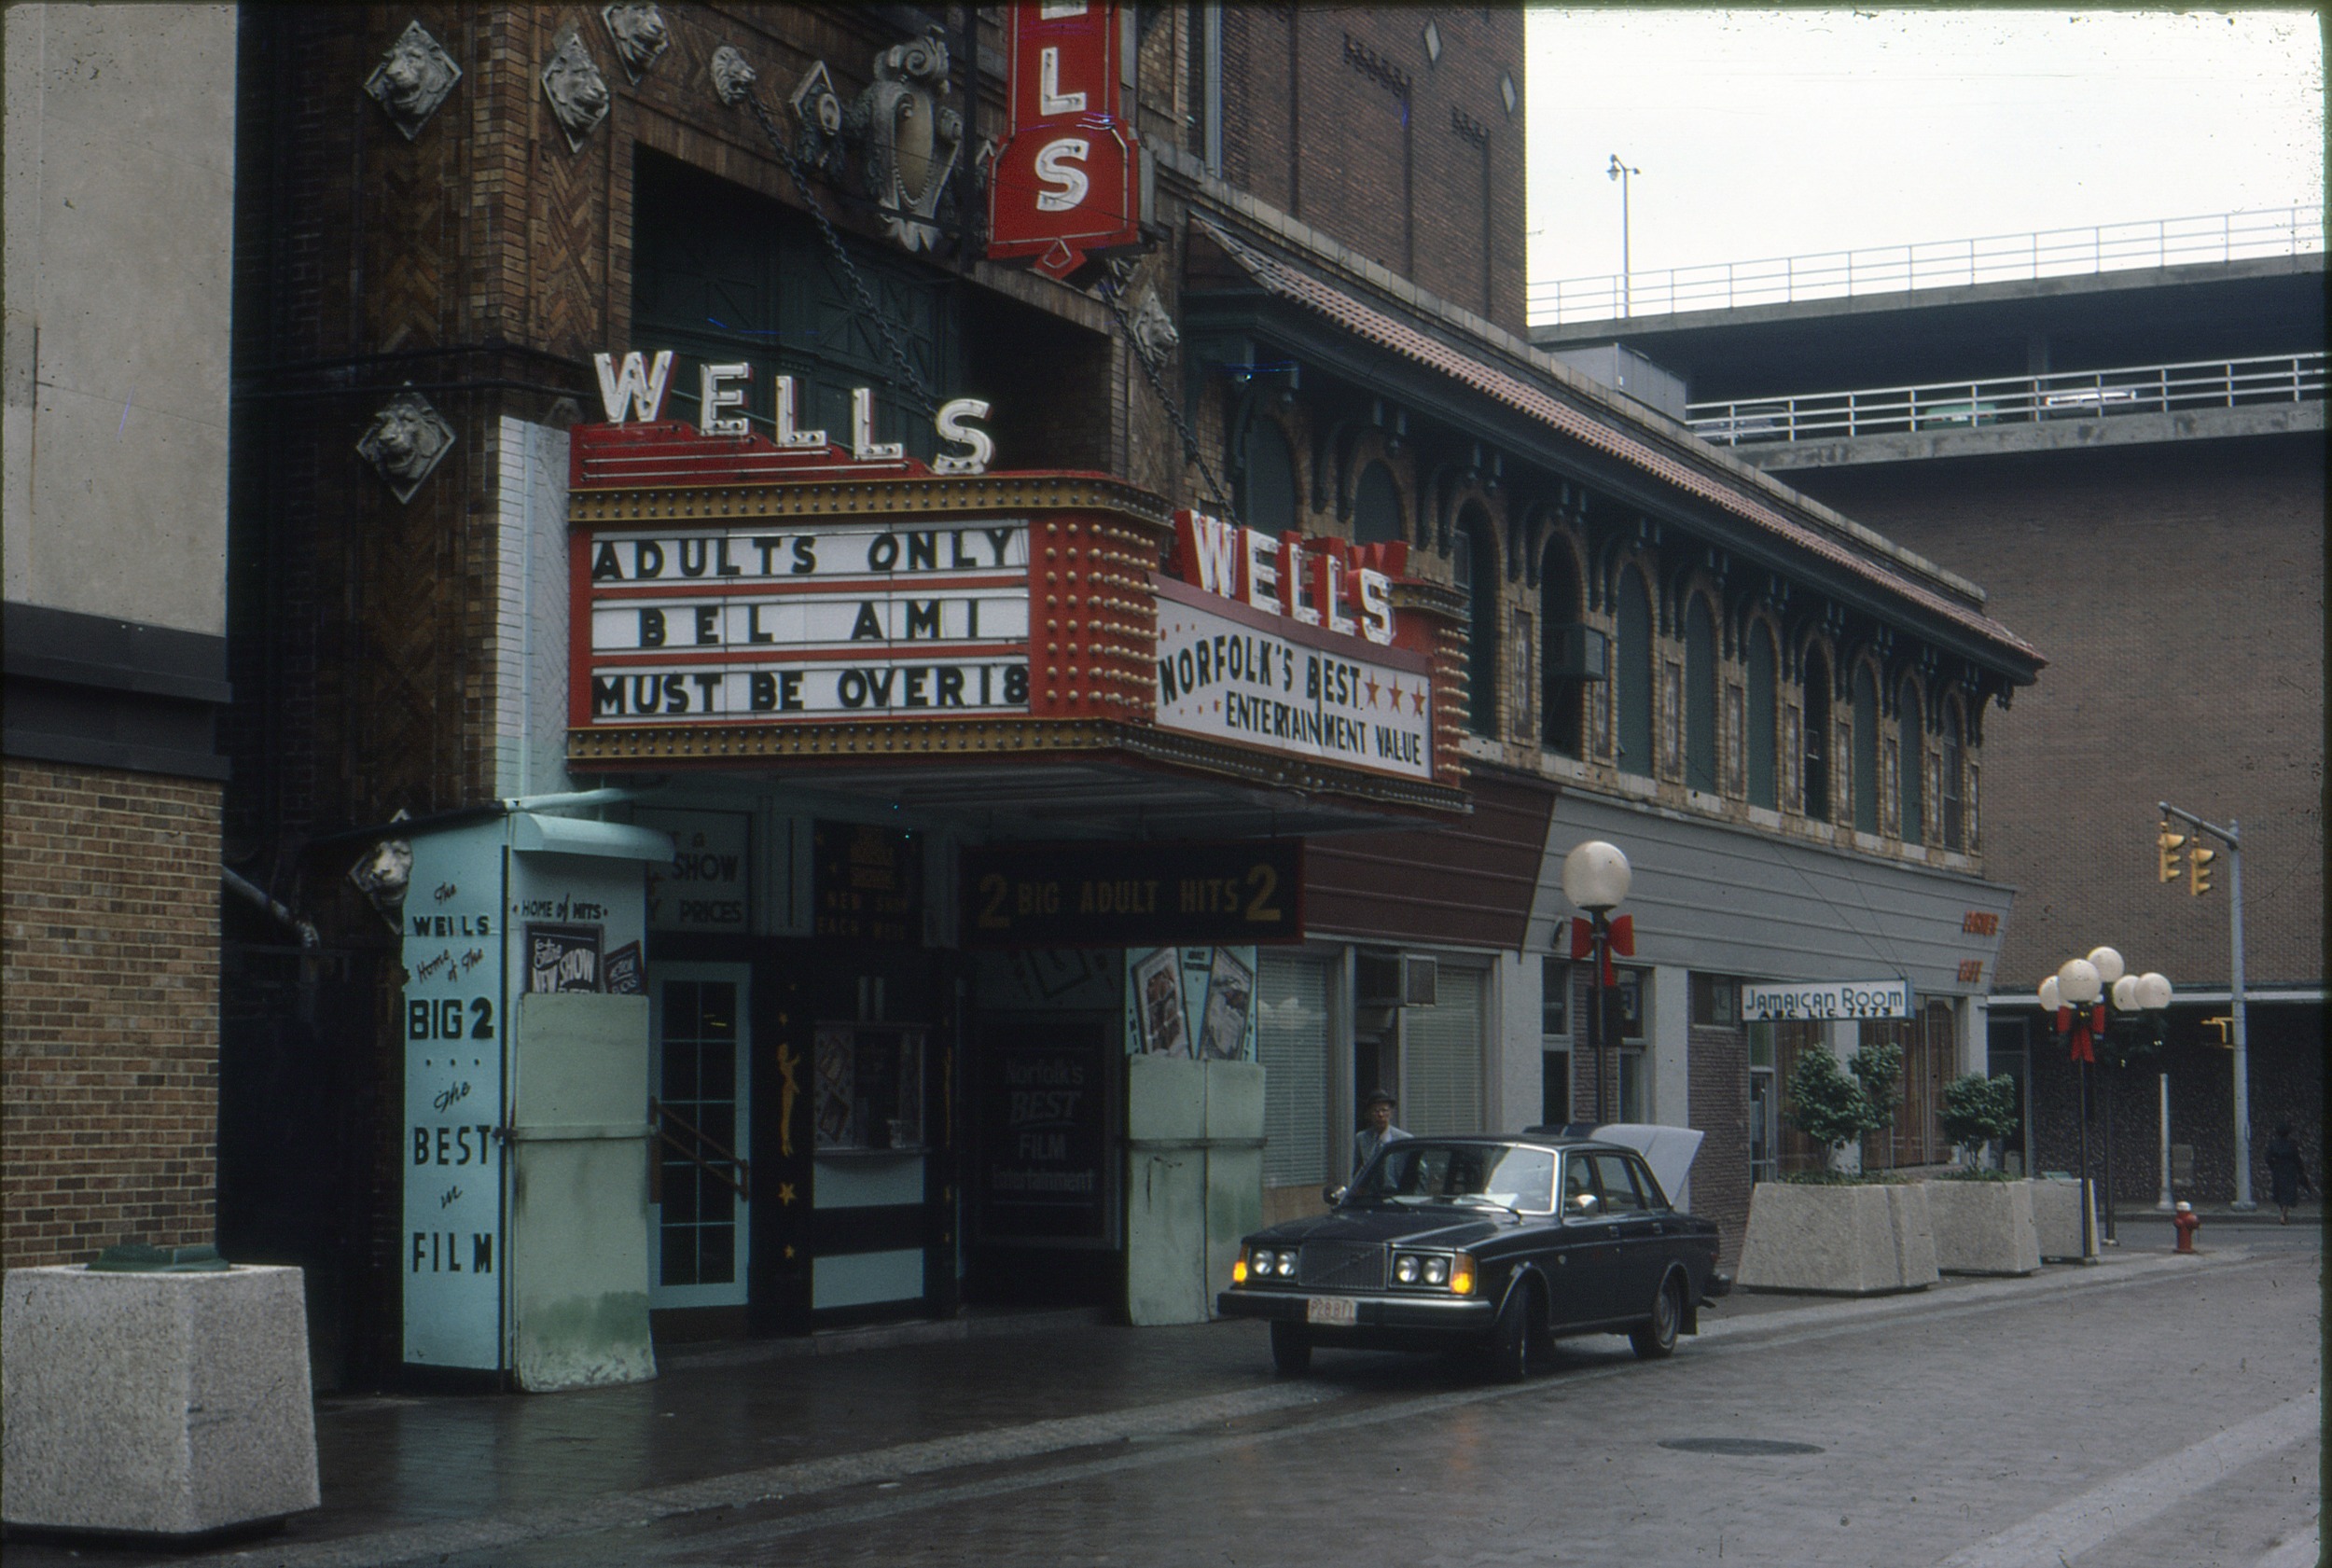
column 697, row 1082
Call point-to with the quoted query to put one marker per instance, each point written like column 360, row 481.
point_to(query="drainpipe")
column 250, row 892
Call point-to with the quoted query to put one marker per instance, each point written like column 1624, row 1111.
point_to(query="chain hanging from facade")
column 733, row 80
column 1109, row 290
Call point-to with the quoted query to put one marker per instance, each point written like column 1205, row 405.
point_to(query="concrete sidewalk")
column 412, row 1478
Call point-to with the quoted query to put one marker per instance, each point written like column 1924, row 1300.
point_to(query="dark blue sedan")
column 1494, row 1245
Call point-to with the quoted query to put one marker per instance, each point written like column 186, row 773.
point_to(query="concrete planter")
column 2056, row 1218
column 1838, row 1240
column 155, row 1404
column 1984, row 1228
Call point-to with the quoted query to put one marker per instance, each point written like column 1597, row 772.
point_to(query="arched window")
column 1563, row 652
column 1761, row 718
column 1268, row 503
column 1375, row 507
column 1475, row 564
column 1699, row 697
column 1955, row 770
column 1913, row 765
column 1866, row 751
column 1632, row 680
column 1817, row 735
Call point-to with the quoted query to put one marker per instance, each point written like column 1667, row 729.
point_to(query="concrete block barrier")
column 164, row 1403
column 1838, row 1241
column 1984, row 1228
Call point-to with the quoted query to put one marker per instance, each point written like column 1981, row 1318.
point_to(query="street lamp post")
column 1621, row 172
column 1595, row 878
column 2076, row 995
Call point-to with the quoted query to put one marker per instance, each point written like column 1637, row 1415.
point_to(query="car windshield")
column 1419, row 1170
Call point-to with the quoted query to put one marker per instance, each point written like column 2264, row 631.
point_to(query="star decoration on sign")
column 1417, row 698
column 1372, row 691
column 786, row 1192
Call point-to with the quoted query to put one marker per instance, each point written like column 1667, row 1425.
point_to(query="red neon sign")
column 1067, row 180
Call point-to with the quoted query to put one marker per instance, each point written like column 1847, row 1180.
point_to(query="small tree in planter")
column 1977, row 1111
column 1836, row 1106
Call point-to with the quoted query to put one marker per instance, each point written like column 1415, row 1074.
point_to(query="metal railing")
column 2054, row 253
column 708, row 1154
column 1893, row 410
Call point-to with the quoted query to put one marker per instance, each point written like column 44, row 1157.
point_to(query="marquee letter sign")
column 1067, row 179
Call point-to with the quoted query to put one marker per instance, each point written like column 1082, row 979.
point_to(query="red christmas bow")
column 2083, row 1025
column 1620, row 939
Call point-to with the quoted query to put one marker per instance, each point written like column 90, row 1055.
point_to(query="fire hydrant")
column 2187, row 1222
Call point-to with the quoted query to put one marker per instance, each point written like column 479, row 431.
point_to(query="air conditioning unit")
column 1578, row 653
column 1396, row 980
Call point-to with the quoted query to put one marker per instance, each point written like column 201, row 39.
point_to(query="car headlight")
column 1261, row 1260
column 1436, row 1270
column 1404, row 1268
column 1286, row 1268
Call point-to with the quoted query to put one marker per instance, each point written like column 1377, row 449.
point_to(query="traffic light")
column 2170, row 843
column 2198, row 869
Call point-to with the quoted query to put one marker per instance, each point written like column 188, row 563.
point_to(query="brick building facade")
column 1628, row 635
column 2142, row 485
column 120, row 146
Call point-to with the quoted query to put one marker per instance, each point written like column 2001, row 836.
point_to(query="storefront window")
column 1292, row 1043
column 1554, row 1005
column 1715, row 1001
column 869, row 1087
column 1441, row 1047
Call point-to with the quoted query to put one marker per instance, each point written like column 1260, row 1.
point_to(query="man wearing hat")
column 1379, row 1131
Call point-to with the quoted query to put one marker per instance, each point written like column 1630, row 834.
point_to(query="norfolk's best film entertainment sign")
column 1284, row 644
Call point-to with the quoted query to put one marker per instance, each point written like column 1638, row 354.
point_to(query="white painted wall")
column 1514, row 1043
column 119, row 209
column 1669, row 1042
column 530, row 649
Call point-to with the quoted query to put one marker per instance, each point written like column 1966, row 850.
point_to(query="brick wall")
column 1720, row 1109
column 109, row 1086
column 2187, row 664
column 1340, row 116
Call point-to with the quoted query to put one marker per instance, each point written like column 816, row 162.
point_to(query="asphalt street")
column 2149, row 1410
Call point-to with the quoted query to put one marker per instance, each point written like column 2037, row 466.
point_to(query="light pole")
column 2076, row 995
column 1621, row 172
column 1595, row 878
column 2231, row 836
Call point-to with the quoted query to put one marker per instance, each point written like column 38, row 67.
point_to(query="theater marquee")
column 736, row 598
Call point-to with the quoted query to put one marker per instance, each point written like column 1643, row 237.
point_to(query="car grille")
column 1340, row 1266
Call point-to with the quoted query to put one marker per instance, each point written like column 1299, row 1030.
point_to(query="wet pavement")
column 1059, row 1437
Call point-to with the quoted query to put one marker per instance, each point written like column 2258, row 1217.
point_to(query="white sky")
column 1766, row 133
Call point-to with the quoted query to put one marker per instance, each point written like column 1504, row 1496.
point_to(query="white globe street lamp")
column 2087, row 996
column 1596, row 877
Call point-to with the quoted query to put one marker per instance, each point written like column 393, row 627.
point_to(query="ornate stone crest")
column 405, row 442
column 907, row 140
column 576, row 92
column 1153, row 328
column 733, row 79
column 818, row 111
column 640, row 36
column 413, row 79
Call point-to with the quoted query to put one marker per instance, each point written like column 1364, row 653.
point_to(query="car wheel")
column 1513, row 1347
column 1291, row 1349
column 1655, row 1339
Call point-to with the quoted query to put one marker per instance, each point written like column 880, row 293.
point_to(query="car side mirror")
column 1334, row 1194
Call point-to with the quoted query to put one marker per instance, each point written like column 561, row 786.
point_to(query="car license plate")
column 1339, row 1310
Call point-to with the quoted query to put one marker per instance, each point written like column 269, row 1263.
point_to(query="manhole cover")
column 1737, row 1445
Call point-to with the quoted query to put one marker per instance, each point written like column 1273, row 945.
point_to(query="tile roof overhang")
column 1674, row 476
